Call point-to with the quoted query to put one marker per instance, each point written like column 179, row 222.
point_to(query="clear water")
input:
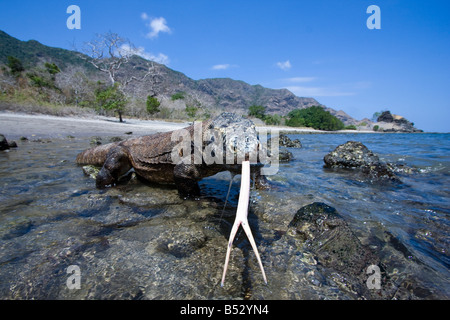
column 140, row 241
column 417, row 210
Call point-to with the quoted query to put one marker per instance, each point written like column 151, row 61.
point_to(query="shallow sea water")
column 141, row 241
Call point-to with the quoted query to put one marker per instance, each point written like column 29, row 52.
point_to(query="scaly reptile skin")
column 151, row 156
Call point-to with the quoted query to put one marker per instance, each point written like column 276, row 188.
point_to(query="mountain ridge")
column 214, row 94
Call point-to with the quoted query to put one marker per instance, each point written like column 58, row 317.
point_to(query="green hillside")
column 31, row 53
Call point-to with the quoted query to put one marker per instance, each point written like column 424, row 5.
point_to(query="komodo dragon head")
column 237, row 136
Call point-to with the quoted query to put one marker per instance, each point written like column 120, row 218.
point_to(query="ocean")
column 417, row 210
column 142, row 241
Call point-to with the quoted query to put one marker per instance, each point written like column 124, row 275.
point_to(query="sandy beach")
column 16, row 125
column 37, row 126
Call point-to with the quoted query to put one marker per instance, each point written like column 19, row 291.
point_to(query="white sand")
column 16, row 125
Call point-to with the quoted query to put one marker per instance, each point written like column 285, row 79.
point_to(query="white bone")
column 241, row 219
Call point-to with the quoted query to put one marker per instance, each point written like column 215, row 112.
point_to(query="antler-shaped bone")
column 241, row 219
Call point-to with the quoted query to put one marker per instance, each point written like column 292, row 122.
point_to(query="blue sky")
column 320, row 49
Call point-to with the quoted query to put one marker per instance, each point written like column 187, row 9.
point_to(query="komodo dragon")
column 151, row 156
column 226, row 139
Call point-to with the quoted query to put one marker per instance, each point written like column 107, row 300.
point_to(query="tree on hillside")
column 15, row 65
column 152, row 105
column 272, row 119
column 257, row 111
column 77, row 86
column 112, row 98
column 109, row 52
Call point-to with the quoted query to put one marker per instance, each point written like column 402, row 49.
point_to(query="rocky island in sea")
column 388, row 122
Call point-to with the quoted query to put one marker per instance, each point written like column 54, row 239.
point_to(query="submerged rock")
column 284, row 155
column 341, row 257
column 285, row 141
column 355, row 155
column 329, row 237
column 91, row 171
column 96, row 140
column 345, row 262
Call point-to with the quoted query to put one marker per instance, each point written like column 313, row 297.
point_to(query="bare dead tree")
column 109, row 52
column 153, row 75
column 106, row 53
column 151, row 68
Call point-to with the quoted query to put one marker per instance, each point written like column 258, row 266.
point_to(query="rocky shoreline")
column 16, row 125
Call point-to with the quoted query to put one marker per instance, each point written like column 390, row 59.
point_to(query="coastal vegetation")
column 112, row 98
column 314, row 117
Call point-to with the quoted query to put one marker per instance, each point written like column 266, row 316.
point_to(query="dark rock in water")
column 285, row 141
column 96, row 140
column 354, row 154
column 5, row 145
column 285, row 155
column 115, row 139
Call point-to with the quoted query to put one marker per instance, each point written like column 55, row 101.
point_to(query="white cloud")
column 318, row 92
column 160, row 58
column 221, row 67
column 284, row 65
column 300, row 79
column 156, row 25
column 127, row 50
